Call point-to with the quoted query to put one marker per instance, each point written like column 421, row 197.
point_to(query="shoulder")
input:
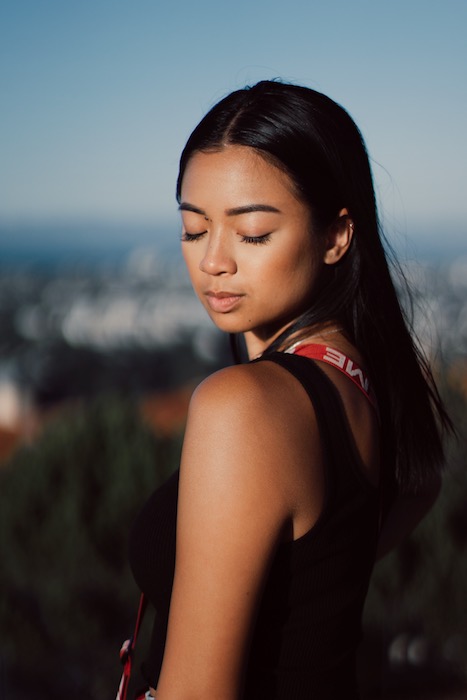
column 261, row 392
column 250, row 423
column 235, row 380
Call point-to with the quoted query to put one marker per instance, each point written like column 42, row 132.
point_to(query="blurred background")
column 102, row 341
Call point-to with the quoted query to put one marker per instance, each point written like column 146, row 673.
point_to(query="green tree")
column 67, row 503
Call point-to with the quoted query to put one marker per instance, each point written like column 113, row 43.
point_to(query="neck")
column 256, row 347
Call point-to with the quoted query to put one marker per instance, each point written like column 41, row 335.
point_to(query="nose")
column 218, row 258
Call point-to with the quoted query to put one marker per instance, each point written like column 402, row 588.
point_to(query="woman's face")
column 247, row 242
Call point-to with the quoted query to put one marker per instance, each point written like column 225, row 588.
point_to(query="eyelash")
column 187, row 237
column 257, row 240
column 254, row 240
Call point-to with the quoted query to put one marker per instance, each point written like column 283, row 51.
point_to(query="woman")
column 294, row 470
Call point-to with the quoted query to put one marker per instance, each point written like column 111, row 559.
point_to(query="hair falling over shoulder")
column 317, row 144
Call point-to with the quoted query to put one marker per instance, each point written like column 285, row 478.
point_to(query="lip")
column 222, row 302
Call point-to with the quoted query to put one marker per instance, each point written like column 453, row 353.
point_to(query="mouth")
column 222, row 302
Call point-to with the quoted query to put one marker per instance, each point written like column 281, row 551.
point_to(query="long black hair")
column 315, row 141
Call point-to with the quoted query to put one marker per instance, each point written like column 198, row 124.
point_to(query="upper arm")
column 231, row 512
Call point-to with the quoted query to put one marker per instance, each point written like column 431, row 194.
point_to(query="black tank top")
column 309, row 620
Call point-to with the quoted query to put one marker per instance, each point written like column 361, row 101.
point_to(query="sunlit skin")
column 248, row 244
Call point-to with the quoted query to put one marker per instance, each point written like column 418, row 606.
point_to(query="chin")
column 228, row 323
column 226, row 326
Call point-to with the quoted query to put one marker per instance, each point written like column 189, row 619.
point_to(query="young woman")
column 301, row 465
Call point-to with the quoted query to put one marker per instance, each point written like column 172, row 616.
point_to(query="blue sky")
column 99, row 96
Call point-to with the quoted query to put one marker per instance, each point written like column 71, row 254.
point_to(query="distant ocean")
column 83, row 243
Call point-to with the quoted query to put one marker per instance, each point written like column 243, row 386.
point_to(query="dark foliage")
column 416, row 610
column 68, row 599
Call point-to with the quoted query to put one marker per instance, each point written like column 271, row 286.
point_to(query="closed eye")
column 186, row 236
column 256, row 240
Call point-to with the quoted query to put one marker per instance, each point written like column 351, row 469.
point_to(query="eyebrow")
column 236, row 211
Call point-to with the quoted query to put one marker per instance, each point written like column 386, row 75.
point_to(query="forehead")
column 237, row 172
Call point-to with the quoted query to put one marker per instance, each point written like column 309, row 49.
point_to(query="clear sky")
column 99, row 96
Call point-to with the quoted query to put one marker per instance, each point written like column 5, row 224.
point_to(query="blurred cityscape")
column 76, row 330
column 73, row 331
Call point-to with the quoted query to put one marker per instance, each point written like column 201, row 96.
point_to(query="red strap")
column 139, row 618
column 126, row 652
column 338, row 359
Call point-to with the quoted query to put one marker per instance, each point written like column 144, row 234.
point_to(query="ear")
column 338, row 238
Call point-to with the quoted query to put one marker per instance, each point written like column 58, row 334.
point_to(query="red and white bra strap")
column 337, row 359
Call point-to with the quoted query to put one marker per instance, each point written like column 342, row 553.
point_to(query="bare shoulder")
column 256, row 391
column 253, row 424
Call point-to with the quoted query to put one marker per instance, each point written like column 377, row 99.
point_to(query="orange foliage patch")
column 166, row 413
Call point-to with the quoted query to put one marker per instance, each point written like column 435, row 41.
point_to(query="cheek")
column 299, row 275
column 298, row 263
column 191, row 262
